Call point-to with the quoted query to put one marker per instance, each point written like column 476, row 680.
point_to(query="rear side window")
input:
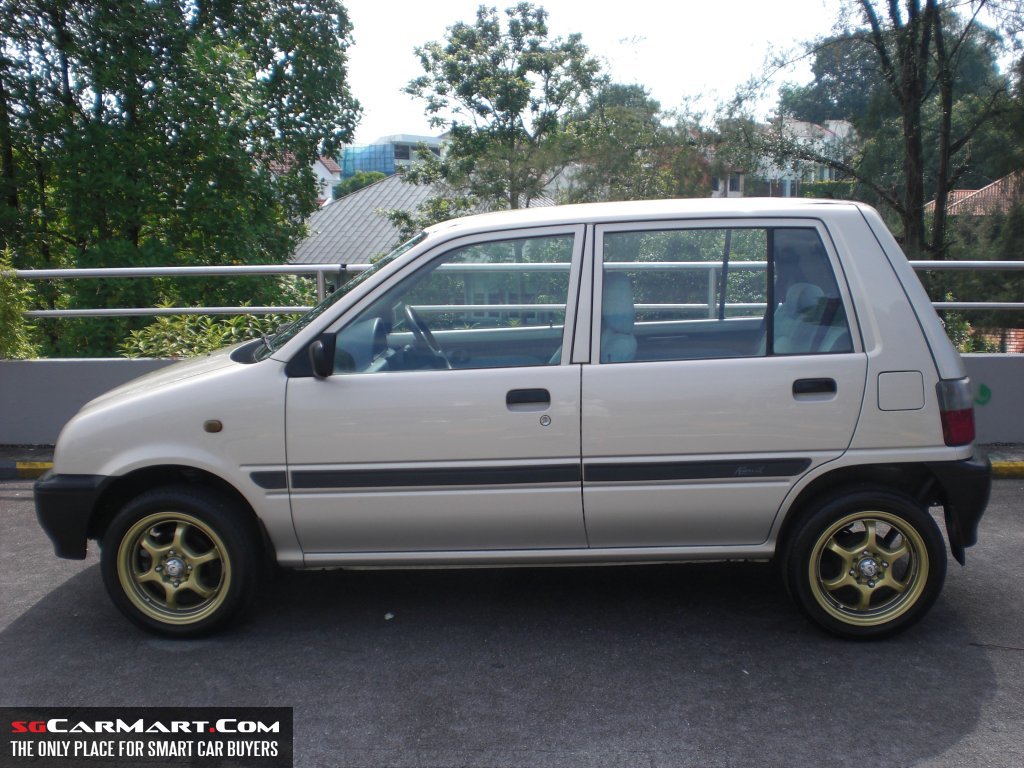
column 681, row 294
column 809, row 316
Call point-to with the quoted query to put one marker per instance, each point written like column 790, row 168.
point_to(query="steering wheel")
column 423, row 335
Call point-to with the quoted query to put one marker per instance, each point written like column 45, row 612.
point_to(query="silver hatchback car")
column 613, row 383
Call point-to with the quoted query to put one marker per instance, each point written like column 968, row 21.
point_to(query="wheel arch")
column 123, row 488
column 917, row 481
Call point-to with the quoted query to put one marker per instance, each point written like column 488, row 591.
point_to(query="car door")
column 726, row 365
column 451, row 423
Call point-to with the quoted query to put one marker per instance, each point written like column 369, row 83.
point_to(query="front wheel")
column 868, row 564
column 181, row 561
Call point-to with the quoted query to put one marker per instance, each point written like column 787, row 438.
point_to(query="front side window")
column 486, row 305
column 681, row 294
column 287, row 332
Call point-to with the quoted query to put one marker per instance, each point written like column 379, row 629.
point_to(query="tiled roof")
column 329, row 164
column 954, row 197
column 287, row 162
column 351, row 230
column 995, row 198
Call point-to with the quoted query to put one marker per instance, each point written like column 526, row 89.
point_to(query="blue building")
column 386, row 155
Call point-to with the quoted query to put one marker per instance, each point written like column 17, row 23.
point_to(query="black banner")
column 204, row 737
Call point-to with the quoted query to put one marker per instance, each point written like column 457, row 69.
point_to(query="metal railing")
column 980, row 266
column 322, row 273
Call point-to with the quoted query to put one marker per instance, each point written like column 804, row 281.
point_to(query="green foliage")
column 503, row 91
column 163, row 133
column 921, row 85
column 625, row 152
column 847, row 83
column 446, row 202
column 963, row 335
column 15, row 297
column 357, row 181
column 189, row 335
column 737, row 145
column 995, row 237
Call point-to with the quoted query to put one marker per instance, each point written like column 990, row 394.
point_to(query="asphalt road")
column 642, row 666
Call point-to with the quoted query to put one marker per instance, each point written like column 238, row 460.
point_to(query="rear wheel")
column 181, row 560
column 867, row 564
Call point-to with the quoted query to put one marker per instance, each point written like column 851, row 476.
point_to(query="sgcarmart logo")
column 223, row 725
column 121, row 737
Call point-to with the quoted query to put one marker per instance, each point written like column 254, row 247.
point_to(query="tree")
column 144, row 132
column 503, row 91
column 846, row 83
column 15, row 339
column 357, row 181
column 997, row 236
column 626, row 152
column 440, row 207
column 919, row 75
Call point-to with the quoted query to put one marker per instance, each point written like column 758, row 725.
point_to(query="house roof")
column 329, row 164
column 287, row 162
column 955, row 196
column 352, row 229
column 997, row 197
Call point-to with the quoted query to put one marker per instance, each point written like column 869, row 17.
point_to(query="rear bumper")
column 966, row 486
column 64, row 507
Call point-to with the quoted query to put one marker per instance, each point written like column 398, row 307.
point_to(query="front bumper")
column 64, row 507
column 966, row 486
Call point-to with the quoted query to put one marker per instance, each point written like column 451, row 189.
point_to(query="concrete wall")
column 38, row 396
column 999, row 396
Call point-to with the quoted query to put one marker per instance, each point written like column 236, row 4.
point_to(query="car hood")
column 172, row 374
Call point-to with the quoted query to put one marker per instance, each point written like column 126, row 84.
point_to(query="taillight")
column 956, row 406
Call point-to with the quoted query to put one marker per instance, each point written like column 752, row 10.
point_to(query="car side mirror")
column 321, row 355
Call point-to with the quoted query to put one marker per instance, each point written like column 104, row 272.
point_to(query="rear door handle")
column 528, row 399
column 814, row 387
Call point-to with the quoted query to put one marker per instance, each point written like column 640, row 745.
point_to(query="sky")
column 679, row 50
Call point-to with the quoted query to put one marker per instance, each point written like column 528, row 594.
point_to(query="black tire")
column 866, row 564
column 182, row 561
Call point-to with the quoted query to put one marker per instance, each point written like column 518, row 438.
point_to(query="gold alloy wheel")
column 868, row 568
column 174, row 568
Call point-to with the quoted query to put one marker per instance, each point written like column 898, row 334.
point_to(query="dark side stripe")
column 693, row 470
column 271, row 480
column 384, row 478
column 309, row 479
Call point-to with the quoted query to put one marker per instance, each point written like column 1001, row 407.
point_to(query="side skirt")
column 538, row 557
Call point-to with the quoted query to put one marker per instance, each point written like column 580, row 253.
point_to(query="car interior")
column 671, row 303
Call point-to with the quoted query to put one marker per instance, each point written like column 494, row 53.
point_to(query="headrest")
column 801, row 297
column 617, row 311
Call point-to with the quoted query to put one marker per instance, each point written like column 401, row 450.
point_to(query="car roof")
column 640, row 210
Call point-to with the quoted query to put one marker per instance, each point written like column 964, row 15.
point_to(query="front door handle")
column 528, row 399
column 814, row 387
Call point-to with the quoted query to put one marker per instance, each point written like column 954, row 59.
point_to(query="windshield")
column 289, row 331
